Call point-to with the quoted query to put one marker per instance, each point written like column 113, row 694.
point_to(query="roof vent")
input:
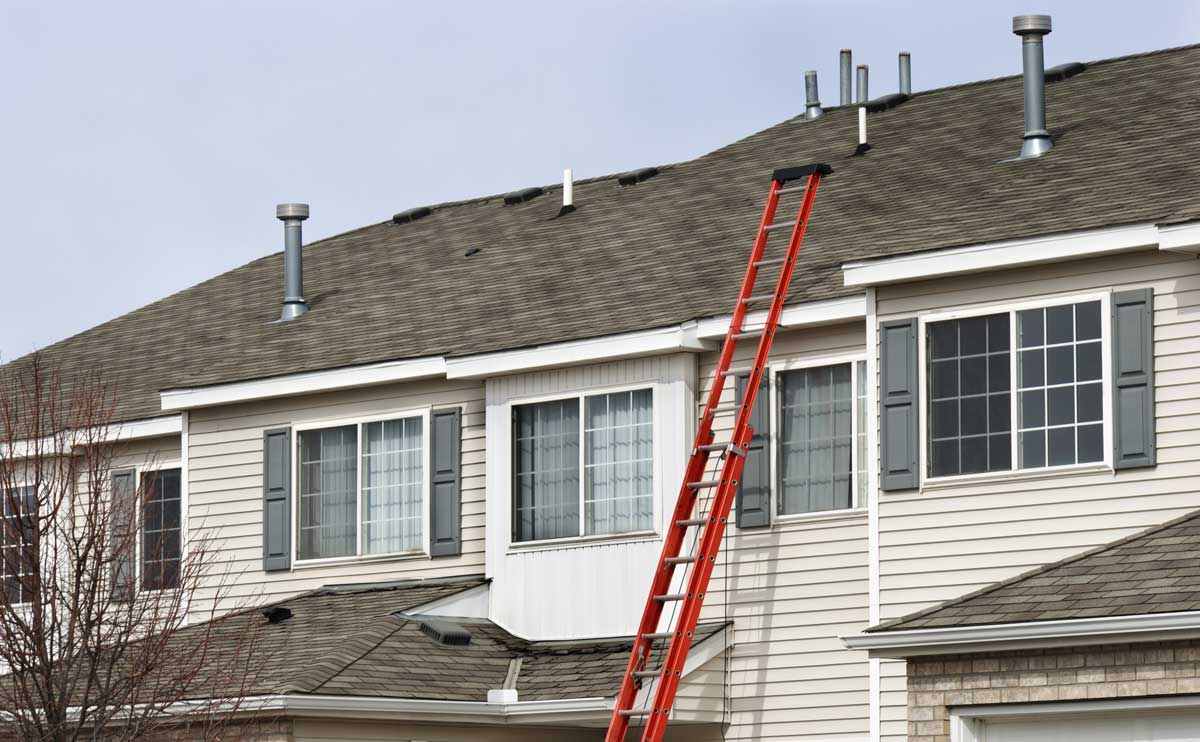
column 292, row 215
column 523, row 195
column 445, row 632
column 812, row 101
column 1063, row 71
column 884, row 102
column 861, row 95
column 276, row 614
column 905, row 73
column 1031, row 29
column 845, row 85
column 404, row 217
column 634, row 177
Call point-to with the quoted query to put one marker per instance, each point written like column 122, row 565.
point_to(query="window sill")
column 582, row 541
column 403, row 556
column 1050, row 472
column 817, row 517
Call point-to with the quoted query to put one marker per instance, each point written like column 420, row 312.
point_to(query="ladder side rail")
column 686, row 499
column 718, row 514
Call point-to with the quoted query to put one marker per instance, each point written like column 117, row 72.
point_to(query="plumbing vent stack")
column 844, row 65
column 812, row 103
column 568, row 189
column 1031, row 29
column 862, row 96
column 292, row 215
column 905, row 73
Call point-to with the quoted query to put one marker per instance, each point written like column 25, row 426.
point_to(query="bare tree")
column 99, row 632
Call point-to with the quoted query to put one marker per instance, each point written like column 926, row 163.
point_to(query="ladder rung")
column 723, row 446
column 769, row 261
column 756, row 299
column 647, row 673
column 670, row 596
column 687, row 522
column 703, row 484
column 722, row 409
column 737, row 370
column 659, row 635
column 748, row 334
column 635, row 712
column 791, row 189
column 776, row 225
column 680, row 559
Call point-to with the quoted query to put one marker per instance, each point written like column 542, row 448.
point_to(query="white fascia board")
column 1149, row 627
column 579, row 711
column 1184, row 237
column 1000, row 255
column 808, row 314
column 607, row 348
column 304, row 383
column 155, row 427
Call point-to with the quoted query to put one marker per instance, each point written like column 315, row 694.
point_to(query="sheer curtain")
column 328, row 463
column 618, row 439
column 815, row 439
column 392, row 483
column 546, row 470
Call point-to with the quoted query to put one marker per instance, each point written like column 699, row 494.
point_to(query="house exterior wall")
column 1028, row 676
column 225, row 489
column 944, row 541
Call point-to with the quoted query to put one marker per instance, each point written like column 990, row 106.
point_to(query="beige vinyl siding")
column 792, row 590
column 340, row 730
column 943, row 542
column 225, row 447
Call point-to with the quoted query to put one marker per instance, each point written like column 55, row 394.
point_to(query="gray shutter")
column 754, row 491
column 1133, row 379
column 124, row 534
column 898, row 415
column 445, row 482
column 277, row 499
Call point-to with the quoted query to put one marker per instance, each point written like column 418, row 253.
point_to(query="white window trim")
column 796, row 364
column 969, row 723
column 424, row 413
column 139, row 471
column 1010, row 307
column 584, row 539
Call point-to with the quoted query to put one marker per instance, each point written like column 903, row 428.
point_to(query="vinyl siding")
column 792, row 589
column 946, row 541
column 225, row 448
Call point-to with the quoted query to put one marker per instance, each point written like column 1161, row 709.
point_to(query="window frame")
column 1011, row 308
column 424, row 413
column 857, row 468
column 140, row 470
column 656, row 473
column 24, row 484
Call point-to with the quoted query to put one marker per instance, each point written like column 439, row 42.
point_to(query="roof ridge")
column 352, row 649
column 1042, row 569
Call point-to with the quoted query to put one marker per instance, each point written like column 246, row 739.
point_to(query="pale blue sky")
column 145, row 144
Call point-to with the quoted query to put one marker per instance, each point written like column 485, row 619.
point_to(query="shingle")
column 670, row 249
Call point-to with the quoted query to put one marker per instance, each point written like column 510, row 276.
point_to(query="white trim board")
column 1150, row 627
column 154, row 427
column 968, row 723
column 1013, row 253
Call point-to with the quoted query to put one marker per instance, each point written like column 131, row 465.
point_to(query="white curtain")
column 546, row 470
column 392, row 483
column 815, row 439
column 619, row 441
column 328, row 462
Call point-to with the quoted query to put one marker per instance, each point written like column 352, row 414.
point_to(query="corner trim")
column 1028, row 635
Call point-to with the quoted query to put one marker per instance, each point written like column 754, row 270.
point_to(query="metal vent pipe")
column 292, row 215
column 905, row 73
column 862, row 96
column 846, row 68
column 812, row 101
column 1031, row 29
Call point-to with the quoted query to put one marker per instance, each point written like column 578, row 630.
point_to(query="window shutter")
column 277, row 499
column 124, row 534
column 754, row 491
column 445, row 482
column 1133, row 379
column 899, row 432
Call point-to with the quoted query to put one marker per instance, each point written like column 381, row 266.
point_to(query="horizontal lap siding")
column 225, row 488
column 944, row 542
column 791, row 590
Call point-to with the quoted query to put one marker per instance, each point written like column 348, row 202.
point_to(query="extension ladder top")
column 705, row 498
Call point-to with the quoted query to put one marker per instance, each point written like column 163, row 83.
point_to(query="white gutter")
column 1013, row 253
column 1150, row 627
column 584, row 711
column 809, row 314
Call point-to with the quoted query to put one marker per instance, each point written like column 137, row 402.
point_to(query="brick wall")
column 1073, row 674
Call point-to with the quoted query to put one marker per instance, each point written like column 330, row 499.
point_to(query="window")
column 616, row 492
column 16, row 554
column 1056, row 405
column 161, row 533
column 354, row 504
column 822, row 438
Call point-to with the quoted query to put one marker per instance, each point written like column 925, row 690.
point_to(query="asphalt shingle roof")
column 1154, row 571
column 669, row 249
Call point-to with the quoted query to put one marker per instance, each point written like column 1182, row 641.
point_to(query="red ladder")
column 698, row 566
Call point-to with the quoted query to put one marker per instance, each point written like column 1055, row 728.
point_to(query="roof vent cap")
column 1063, row 71
column 411, row 215
column 523, row 195
column 276, row 613
column 445, row 632
column 634, row 177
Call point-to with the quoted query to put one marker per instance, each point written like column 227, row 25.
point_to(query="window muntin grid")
column 162, row 548
column 619, row 469
column 17, row 562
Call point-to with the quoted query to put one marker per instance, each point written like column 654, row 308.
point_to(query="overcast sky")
column 143, row 145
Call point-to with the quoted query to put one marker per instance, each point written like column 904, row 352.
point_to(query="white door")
column 1132, row 726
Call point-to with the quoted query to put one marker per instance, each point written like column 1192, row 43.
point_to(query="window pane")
column 546, row 471
column 393, row 465
column 1029, row 328
column 618, row 439
column 1064, row 392
column 815, row 439
column 161, row 538
column 328, row 501
column 860, row 411
column 18, row 518
column 969, row 396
